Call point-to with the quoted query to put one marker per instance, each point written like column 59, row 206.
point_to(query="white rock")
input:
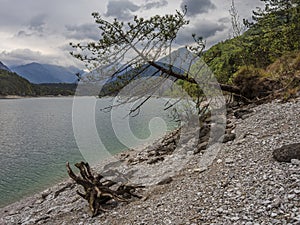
column 273, row 214
column 229, row 160
column 295, row 162
column 297, row 191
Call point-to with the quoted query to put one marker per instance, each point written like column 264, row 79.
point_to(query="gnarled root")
column 98, row 192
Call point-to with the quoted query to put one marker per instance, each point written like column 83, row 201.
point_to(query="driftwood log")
column 98, row 192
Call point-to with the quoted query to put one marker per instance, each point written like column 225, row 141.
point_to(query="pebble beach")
column 241, row 183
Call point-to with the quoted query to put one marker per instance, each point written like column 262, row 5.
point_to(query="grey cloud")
column 195, row 7
column 25, row 56
column 37, row 23
column 84, row 31
column 121, row 9
column 205, row 29
column 224, row 20
column 29, row 33
column 153, row 4
column 20, row 56
column 35, row 27
column 23, row 33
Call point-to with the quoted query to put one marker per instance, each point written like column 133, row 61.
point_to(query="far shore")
column 27, row 96
column 11, row 97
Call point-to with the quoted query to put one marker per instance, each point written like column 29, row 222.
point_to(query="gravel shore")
column 240, row 184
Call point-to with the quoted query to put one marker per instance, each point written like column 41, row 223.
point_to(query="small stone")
column 39, row 201
column 291, row 196
column 267, row 202
column 276, row 203
column 273, row 214
column 165, row 181
column 235, row 218
column 229, row 137
column 295, row 162
column 219, row 160
column 260, row 211
column 229, row 160
column 155, row 160
column 297, row 191
column 200, row 170
column 200, row 147
column 220, row 210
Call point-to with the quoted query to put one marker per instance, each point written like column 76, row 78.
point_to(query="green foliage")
column 286, row 69
column 191, row 89
column 12, row 84
column 54, row 89
column 274, row 32
column 277, row 30
column 224, row 59
column 281, row 78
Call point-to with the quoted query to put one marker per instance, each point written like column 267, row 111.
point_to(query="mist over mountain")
column 44, row 73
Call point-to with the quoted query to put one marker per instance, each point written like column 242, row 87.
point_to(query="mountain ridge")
column 38, row 73
column 4, row 67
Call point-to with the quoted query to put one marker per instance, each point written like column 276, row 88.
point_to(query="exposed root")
column 98, row 192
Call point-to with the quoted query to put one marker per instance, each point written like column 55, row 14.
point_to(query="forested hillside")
column 12, row 84
column 269, row 49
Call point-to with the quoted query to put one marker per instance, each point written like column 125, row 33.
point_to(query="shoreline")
column 11, row 97
column 242, row 185
column 32, row 194
column 26, row 97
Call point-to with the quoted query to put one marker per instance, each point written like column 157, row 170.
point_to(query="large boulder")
column 287, row 152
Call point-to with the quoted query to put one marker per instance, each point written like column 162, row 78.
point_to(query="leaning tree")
column 139, row 57
column 128, row 51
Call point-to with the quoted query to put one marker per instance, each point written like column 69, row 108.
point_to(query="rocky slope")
column 237, row 182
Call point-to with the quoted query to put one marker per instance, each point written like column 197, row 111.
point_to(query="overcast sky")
column 40, row 30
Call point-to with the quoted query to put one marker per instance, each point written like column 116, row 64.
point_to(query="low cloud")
column 20, row 56
column 196, row 7
column 84, row 31
column 121, row 9
column 25, row 56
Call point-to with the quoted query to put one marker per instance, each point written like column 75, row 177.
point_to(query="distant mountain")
column 44, row 73
column 3, row 67
column 178, row 61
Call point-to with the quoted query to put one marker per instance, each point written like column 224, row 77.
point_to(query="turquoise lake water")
column 37, row 138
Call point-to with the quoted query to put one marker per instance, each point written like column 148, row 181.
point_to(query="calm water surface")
column 36, row 139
